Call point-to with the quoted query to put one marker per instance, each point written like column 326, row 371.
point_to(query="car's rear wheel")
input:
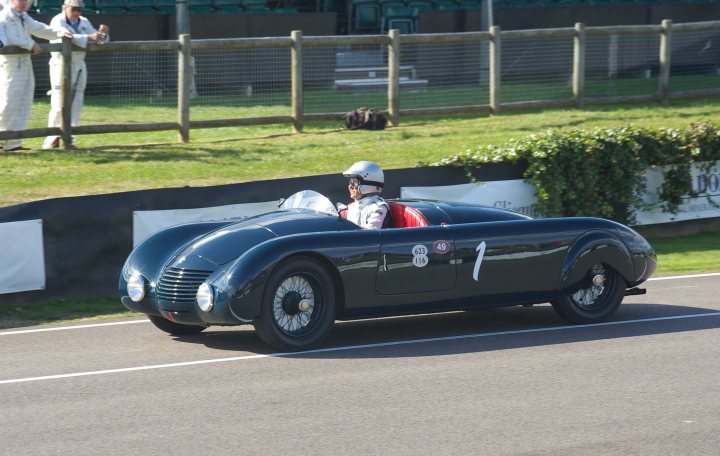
column 298, row 308
column 600, row 295
column 176, row 329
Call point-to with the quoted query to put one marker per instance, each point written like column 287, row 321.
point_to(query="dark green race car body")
column 293, row 272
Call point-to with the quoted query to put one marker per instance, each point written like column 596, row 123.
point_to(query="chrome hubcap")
column 588, row 297
column 293, row 305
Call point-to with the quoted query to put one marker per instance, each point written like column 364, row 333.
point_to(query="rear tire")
column 602, row 292
column 298, row 307
column 176, row 329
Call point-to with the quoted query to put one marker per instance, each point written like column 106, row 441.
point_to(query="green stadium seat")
column 398, row 17
column 470, row 5
column 286, row 10
column 111, row 6
column 48, row 6
column 201, row 7
column 446, row 5
column 141, row 6
column 165, row 6
column 227, row 6
column 366, row 14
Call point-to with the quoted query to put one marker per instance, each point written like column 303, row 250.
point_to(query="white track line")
column 353, row 347
column 691, row 276
column 97, row 325
column 63, row 328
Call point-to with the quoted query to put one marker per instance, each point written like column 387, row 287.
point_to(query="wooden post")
column 184, row 81
column 66, row 87
column 394, row 77
column 296, row 69
column 495, row 60
column 182, row 17
column 579, row 65
column 665, row 52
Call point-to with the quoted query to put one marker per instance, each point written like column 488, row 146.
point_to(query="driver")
column 368, row 209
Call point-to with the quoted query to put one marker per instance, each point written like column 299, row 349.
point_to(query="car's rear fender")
column 588, row 249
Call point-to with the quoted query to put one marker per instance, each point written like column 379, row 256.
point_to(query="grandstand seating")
column 201, row 7
column 140, row 6
column 112, row 6
column 398, row 17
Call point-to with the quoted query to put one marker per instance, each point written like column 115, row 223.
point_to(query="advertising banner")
column 519, row 196
column 22, row 258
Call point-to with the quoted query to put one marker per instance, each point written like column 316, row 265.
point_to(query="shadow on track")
column 470, row 332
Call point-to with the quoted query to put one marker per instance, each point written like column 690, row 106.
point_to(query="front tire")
column 176, row 329
column 599, row 297
column 298, row 307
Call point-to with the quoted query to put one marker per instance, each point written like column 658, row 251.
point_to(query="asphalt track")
column 503, row 381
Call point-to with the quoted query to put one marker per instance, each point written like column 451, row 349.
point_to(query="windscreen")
column 309, row 199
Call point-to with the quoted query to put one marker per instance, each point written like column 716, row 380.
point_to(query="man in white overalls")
column 17, row 80
column 82, row 32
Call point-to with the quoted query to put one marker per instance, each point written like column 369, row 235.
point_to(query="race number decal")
column 420, row 258
column 481, row 253
column 441, row 247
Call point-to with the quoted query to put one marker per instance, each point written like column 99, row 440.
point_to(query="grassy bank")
column 123, row 162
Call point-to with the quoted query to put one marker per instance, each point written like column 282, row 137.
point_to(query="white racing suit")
column 17, row 80
column 78, row 75
column 368, row 212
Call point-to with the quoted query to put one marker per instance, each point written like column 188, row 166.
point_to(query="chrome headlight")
column 136, row 287
column 205, row 297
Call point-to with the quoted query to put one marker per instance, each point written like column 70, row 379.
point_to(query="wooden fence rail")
column 393, row 40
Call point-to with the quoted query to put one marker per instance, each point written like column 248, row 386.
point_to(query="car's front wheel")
column 298, row 308
column 176, row 329
column 599, row 297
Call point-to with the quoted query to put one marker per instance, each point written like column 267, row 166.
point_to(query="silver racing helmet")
column 370, row 175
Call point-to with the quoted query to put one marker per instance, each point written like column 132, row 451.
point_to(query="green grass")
column 123, row 162
column 60, row 311
column 687, row 254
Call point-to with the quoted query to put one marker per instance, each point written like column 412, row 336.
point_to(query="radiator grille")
column 180, row 285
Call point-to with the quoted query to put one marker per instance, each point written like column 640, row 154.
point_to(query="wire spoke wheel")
column 601, row 292
column 294, row 305
column 298, row 308
column 589, row 298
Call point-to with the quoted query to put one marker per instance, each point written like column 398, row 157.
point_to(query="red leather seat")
column 406, row 216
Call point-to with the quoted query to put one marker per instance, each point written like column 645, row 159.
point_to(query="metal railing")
column 257, row 81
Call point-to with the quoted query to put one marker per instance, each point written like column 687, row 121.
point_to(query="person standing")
column 17, row 80
column 72, row 21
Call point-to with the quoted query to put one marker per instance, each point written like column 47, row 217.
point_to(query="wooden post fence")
column 296, row 42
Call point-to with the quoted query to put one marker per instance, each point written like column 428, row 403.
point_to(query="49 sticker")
column 420, row 258
column 441, row 247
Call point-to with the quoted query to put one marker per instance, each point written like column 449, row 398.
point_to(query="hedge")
column 601, row 172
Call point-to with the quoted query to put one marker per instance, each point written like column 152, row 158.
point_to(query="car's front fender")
column 590, row 248
column 243, row 283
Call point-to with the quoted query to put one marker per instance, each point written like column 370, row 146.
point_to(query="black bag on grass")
column 365, row 118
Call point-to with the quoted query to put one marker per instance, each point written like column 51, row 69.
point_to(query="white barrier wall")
column 22, row 258
column 146, row 223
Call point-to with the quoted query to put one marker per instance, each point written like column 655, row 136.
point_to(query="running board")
column 635, row 291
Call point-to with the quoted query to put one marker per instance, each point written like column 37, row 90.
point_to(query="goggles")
column 354, row 182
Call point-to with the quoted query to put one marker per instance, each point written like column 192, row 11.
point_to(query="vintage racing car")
column 293, row 272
